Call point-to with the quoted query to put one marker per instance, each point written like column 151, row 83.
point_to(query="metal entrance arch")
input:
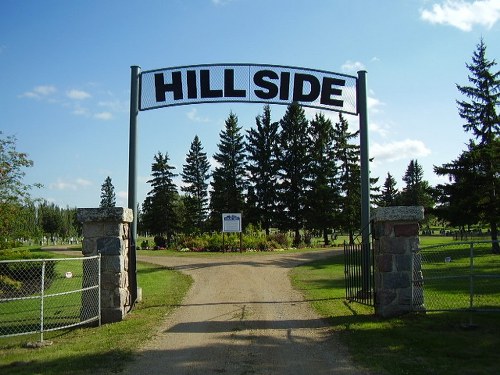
column 251, row 83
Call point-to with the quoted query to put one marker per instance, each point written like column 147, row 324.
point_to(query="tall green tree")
column 295, row 169
column 160, row 214
column 457, row 200
column 389, row 194
column 228, row 178
column 417, row 191
column 195, row 175
column 108, row 196
column 324, row 195
column 348, row 158
column 479, row 109
column 262, row 167
column 14, row 193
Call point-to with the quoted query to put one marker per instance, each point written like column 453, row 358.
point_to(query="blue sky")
column 65, row 77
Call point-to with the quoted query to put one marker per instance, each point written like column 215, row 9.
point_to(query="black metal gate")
column 358, row 273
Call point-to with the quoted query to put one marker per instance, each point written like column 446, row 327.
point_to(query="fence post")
column 395, row 237
column 106, row 231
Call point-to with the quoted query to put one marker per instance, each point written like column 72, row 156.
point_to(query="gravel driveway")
column 242, row 316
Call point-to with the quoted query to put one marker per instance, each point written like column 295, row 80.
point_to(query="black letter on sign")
column 272, row 89
column 206, row 91
column 161, row 87
column 229, row 91
column 191, row 83
column 298, row 88
column 328, row 90
column 285, row 85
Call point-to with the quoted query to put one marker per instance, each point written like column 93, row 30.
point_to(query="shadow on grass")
column 106, row 362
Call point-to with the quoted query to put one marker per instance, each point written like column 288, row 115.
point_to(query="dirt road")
column 242, row 316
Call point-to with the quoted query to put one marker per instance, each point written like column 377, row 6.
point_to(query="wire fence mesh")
column 458, row 276
column 42, row 295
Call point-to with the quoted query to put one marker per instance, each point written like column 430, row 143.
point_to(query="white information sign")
column 231, row 222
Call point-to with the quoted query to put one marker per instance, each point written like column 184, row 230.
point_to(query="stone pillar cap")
column 398, row 213
column 113, row 214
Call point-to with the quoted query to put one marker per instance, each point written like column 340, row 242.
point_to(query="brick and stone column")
column 397, row 265
column 106, row 232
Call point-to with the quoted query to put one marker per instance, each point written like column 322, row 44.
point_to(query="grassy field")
column 437, row 343
column 87, row 350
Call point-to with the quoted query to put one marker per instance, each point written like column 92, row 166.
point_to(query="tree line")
column 295, row 174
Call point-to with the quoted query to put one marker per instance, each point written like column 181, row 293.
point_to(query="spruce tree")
column 228, row 178
column 389, row 194
column 324, row 194
column 348, row 158
column 416, row 191
column 457, row 200
column 160, row 207
column 294, row 173
column 108, row 197
column 479, row 110
column 195, row 175
column 262, row 166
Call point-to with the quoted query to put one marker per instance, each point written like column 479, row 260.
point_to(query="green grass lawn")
column 436, row 343
column 87, row 350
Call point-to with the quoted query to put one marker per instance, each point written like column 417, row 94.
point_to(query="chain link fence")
column 458, row 276
column 42, row 295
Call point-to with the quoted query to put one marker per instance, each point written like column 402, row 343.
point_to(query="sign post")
column 231, row 223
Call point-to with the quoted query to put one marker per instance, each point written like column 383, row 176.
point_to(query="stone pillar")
column 396, row 260
column 106, row 232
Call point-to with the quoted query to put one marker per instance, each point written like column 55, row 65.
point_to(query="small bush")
column 280, row 238
column 9, row 286
column 160, row 242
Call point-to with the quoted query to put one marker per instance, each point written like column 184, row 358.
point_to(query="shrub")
column 160, row 242
column 279, row 238
column 198, row 243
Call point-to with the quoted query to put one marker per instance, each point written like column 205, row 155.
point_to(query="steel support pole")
column 365, row 178
column 132, row 178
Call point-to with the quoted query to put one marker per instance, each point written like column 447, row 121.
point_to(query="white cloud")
column 463, row 14
column 392, row 151
column 62, row 184
column 122, row 195
column 77, row 94
column 352, row 66
column 374, row 104
column 382, row 130
column 40, row 92
column 104, row 116
column 194, row 116
column 221, row 2
column 80, row 111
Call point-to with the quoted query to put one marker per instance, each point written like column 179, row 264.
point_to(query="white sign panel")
column 231, row 222
column 271, row 84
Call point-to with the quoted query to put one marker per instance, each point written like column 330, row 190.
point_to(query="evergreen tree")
column 389, row 195
column 417, row 190
column 108, row 197
column 479, row 111
column 294, row 173
column 195, row 175
column 262, row 166
column 228, row 178
column 348, row 158
column 457, row 200
column 324, row 194
column 160, row 214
